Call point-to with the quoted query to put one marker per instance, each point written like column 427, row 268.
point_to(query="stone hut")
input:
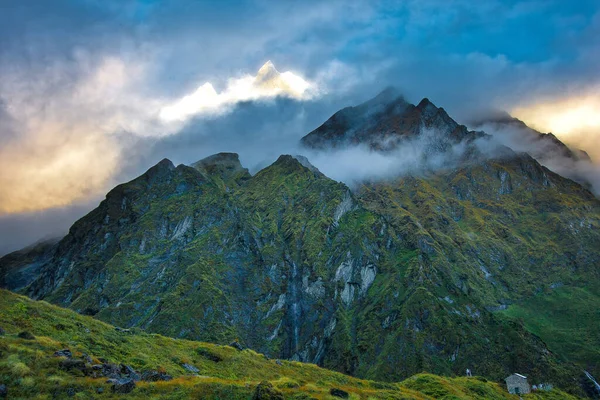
column 517, row 384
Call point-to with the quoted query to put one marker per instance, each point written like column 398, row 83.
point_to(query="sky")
column 94, row 92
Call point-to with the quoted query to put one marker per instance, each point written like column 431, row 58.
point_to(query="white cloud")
column 267, row 84
column 414, row 156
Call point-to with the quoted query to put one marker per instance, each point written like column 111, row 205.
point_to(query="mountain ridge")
column 383, row 122
column 383, row 281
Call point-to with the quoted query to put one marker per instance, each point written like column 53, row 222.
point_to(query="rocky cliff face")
column 387, row 280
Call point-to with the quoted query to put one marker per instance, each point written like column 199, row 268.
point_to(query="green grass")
column 30, row 370
column 567, row 319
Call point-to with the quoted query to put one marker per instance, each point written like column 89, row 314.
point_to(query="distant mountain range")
column 491, row 262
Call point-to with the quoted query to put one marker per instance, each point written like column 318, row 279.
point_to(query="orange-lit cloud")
column 66, row 149
column 576, row 120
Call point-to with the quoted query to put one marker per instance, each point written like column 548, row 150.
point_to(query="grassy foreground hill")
column 33, row 331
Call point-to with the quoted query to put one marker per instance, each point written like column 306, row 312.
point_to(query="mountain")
column 387, row 120
column 546, row 148
column 479, row 265
column 546, row 144
column 50, row 351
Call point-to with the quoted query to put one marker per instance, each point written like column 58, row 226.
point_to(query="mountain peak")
column 387, row 95
column 267, row 72
column 286, row 159
column 304, row 161
column 427, row 108
column 225, row 165
column 383, row 122
column 161, row 168
column 292, row 163
column 425, row 102
column 267, row 67
column 219, row 158
column 165, row 163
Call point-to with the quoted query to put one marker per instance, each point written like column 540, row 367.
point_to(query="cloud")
column 521, row 139
column 267, row 84
column 72, row 143
column 414, row 156
column 575, row 119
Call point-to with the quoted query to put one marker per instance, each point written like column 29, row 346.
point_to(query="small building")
column 517, row 384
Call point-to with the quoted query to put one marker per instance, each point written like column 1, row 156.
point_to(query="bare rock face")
column 122, row 386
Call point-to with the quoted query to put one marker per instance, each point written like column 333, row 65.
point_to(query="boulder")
column 130, row 372
column 110, row 370
column 191, row 368
column 63, row 353
column 339, row 393
column 155, row 376
column 236, row 345
column 26, row 335
column 266, row 391
column 125, row 385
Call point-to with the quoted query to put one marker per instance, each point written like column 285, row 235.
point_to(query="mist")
column 584, row 171
column 415, row 156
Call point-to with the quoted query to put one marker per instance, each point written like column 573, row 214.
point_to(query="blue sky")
column 79, row 80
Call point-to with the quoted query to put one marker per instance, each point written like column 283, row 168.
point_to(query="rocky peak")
column 225, row 165
column 267, row 71
column 288, row 161
column 387, row 96
column 383, row 122
column 162, row 168
column 304, row 161
column 286, row 165
column 427, row 108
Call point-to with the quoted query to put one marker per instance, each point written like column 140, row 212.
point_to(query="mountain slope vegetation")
column 438, row 271
column 50, row 352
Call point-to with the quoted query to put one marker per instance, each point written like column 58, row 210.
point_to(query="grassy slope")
column 525, row 239
column 567, row 319
column 29, row 369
